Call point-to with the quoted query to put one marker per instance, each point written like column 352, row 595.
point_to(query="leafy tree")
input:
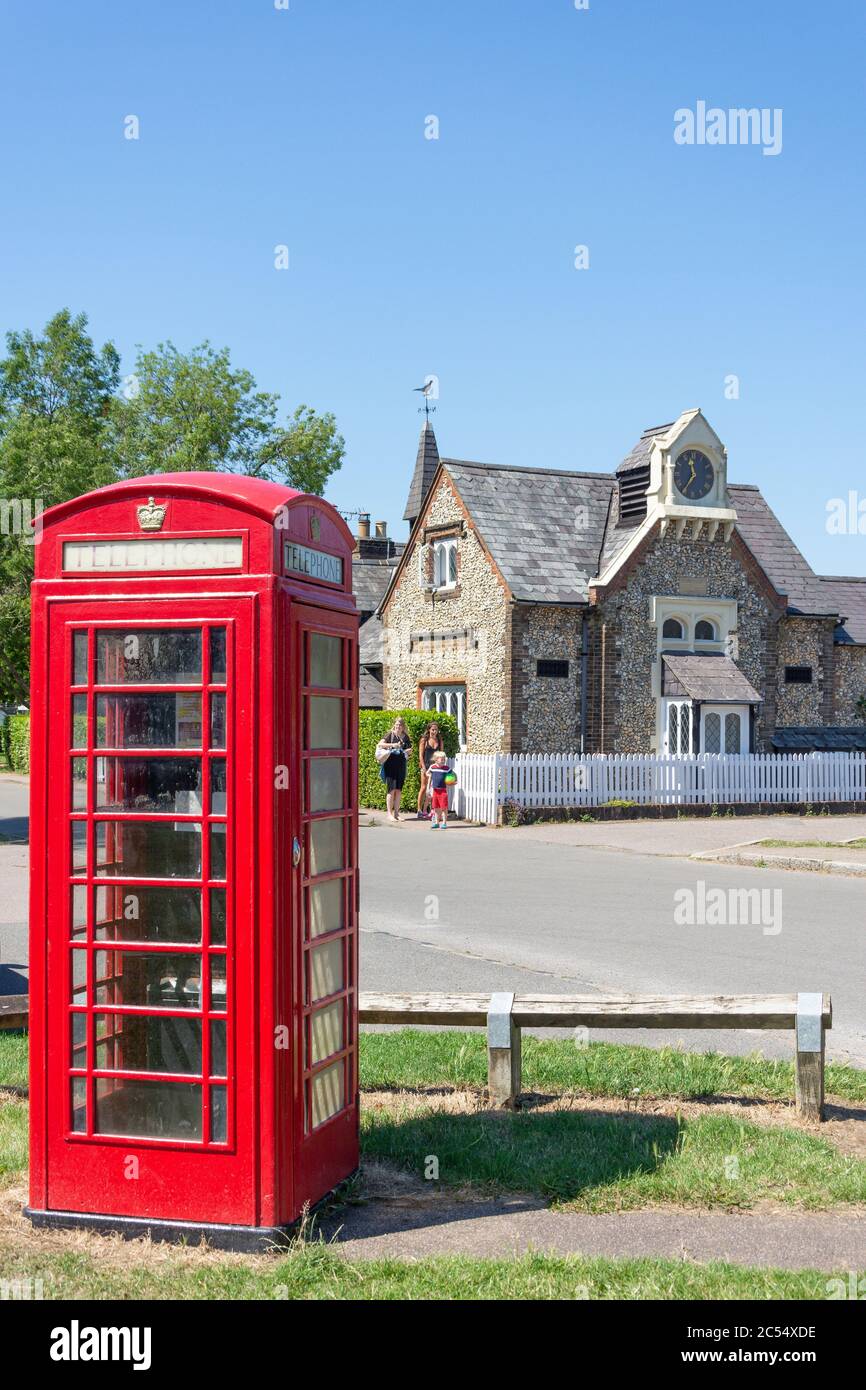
column 66, row 428
column 195, row 411
column 191, row 412
column 55, row 398
column 305, row 453
column 59, row 373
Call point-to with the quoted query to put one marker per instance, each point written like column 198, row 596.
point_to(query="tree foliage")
column 56, row 395
column 305, row 452
column 194, row 411
column 67, row 426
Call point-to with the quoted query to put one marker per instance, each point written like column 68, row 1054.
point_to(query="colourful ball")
column 450, row 779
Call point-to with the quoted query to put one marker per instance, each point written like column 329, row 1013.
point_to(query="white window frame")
column 682, row 705
column 447, row 699
column 744, row 714
column 688, row 609
column 442, row 551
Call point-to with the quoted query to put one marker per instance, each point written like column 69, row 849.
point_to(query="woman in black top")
column 395, row 767
column 431, row 743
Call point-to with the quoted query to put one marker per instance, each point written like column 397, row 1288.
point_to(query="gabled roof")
column 542, row 526
column 426, row 463
column 847, row 597
column 777, row 554
column 549, row 531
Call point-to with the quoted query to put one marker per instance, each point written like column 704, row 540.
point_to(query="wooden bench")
column 504, row 1015
column 14, row 1010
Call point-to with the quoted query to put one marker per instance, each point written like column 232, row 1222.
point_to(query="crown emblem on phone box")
column 151, row 516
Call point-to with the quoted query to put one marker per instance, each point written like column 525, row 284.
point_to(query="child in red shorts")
column 439, row 792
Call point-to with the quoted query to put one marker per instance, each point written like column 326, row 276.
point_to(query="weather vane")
column 426, row 391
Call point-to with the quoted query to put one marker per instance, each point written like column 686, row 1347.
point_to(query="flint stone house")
column 657, row 609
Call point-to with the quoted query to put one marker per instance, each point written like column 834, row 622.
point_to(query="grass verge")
column 411, row 1058
column 592, row 1161
column 813, row 844
column 317, row 1272
column 614, row 1157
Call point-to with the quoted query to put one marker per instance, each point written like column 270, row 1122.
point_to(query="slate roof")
column 848, row 599
column 639, row 456
column 426, row 463
column 777, row 554
column 812, row 739
column 616, row 538
column 711, row 676
column 371, row 642
column 370, row 579
column 543, row 526
column 371, row 692
column 551, row 530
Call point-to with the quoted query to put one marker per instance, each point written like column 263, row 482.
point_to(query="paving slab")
column 832, row 1241
column 673, row 838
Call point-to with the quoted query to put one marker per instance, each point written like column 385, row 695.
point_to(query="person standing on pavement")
column 439, row 771
column 429, row 744
column 394, row 768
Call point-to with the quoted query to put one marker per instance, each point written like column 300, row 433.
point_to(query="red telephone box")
column 194, row 837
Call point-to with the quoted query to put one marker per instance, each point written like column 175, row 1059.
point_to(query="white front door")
column 725, row 729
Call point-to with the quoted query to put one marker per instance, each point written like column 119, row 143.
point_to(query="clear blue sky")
column 455, row 256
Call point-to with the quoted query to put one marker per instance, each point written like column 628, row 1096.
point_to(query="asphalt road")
column 528, row 915
column 484, row 909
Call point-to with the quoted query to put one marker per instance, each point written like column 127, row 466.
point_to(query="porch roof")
column 710, row 677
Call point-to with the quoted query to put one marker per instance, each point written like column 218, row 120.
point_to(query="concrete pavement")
column 410, row 1227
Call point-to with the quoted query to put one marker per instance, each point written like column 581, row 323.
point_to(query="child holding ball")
column 440, row 780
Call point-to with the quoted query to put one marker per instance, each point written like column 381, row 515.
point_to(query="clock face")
column 693, row 474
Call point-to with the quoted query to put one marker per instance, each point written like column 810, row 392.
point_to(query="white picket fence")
column 486, row 781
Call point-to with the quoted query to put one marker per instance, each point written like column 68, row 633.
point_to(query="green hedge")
column 16, row 742
column 374, row 723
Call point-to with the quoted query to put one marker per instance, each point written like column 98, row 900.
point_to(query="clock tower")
column 688, row 484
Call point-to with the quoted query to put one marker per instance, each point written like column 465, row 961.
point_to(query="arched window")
column 445, row 563
column 673, row 628
column 705, row 631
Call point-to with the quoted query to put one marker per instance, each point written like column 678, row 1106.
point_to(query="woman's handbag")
column 383, row 754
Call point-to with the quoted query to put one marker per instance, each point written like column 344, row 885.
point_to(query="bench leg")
column 503, row 1052
column 809, row 1065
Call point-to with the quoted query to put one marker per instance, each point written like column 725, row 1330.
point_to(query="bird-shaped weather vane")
column 427, row 391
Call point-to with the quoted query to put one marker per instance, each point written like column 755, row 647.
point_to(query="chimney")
column 364, row 526
column 381, row 530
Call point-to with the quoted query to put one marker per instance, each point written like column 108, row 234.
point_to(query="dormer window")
column 673, row 630
column 445, row 563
